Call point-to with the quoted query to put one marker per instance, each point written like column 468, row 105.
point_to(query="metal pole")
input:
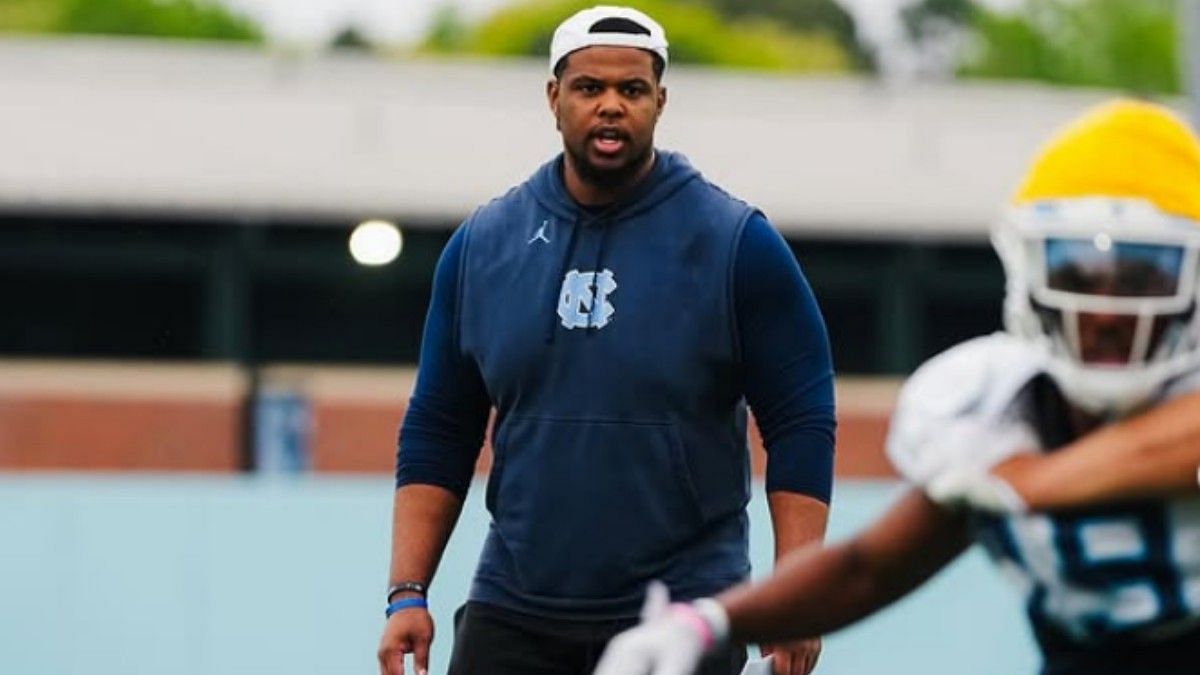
column 1189, row 55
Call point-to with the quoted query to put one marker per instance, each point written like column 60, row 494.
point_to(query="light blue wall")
column 220, row 576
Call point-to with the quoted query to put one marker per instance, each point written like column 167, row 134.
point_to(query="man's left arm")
column 797, row 521
column 789, row 386
column 1152, row 455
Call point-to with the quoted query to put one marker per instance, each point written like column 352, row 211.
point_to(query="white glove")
column 671, row 639
column 976, row 488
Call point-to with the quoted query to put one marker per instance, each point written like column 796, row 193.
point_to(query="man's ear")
column 552, row 95
column 662, row 99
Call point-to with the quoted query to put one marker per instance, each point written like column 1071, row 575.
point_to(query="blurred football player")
column 1067, row 446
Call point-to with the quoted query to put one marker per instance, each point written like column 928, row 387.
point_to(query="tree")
column 29, row 16
column 157, row 18
column 449, row 32
column 1127, row 44
column 1123, row 44
column 931, row 18
column 936, row 32
column 809, row 16
column 697, row 34
column 349, row 39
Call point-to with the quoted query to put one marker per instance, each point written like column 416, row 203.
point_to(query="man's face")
column 1106, row 339
column 606, row 103
column 1118, row 271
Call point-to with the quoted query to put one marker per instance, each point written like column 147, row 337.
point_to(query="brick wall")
column 169, row 417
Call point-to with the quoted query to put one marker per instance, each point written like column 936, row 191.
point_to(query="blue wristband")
column 405, row 603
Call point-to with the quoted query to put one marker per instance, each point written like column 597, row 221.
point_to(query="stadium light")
column 376, row 242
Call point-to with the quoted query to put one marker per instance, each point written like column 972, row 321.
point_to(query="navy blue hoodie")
column 609, row 343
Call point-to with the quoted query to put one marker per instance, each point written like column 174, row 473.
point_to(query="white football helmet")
column 1107, row 288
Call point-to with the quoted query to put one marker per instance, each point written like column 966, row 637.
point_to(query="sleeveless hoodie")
column 607, row 342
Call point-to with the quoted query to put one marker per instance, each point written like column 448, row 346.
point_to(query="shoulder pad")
column 953, row 410
column 1186, row 383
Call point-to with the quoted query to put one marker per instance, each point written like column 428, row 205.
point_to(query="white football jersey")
column 1087, row 574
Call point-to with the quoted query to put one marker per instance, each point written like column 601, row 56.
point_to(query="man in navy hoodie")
column 619, row 312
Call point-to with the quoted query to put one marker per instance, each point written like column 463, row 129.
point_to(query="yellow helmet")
column 1100, row 248
column 1124, row 148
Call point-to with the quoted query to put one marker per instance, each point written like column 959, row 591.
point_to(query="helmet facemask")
column 1107, row 290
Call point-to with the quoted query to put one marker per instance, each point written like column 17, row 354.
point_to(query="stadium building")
column 174, row 224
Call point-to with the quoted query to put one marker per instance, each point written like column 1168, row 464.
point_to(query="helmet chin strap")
column 1102, row 392
column 1098, row 393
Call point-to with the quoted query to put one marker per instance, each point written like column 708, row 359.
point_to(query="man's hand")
column 409, row 631
column 793, row 658
column 670, row 640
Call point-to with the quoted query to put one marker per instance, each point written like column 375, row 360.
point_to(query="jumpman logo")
column 540, row 235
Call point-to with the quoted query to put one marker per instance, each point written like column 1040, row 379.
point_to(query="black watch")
column 406, row 587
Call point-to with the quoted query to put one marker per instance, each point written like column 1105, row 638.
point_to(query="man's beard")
column 608, row 179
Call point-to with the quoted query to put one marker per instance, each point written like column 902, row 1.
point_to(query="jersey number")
column 1106, row 573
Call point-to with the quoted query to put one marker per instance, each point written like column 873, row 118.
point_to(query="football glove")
column 671, row 639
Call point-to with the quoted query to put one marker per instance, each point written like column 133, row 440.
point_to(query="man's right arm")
column 439, row 443
column 422, row 518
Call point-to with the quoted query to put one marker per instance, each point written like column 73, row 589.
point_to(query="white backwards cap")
column 605, row 26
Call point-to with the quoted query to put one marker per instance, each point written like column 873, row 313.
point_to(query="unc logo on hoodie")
column 583, row 299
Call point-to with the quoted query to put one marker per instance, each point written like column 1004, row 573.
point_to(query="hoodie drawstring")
column 605, row 219
column 597, row 268
column 556, row 288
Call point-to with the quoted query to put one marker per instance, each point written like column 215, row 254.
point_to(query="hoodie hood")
column 671, row 171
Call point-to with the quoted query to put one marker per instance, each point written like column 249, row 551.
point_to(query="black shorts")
column 1179, row 655
column 491, row 640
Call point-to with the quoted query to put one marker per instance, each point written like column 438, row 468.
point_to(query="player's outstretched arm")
column 798, row 521
column 812, row 592
column 1152, row 455
column 423, row 516
column 816, row 591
